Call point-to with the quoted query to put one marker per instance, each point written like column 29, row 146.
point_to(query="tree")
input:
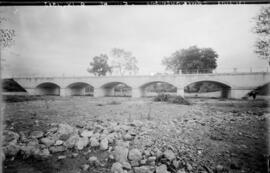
column 6, row 35
column 191, row 60
column 124, row 61
column 7, row 39
column 99, row 66
column 262, row 29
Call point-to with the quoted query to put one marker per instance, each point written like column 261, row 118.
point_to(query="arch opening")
column 80, row 89
column 48, row 88
column 117, row 89
column 207, row 89
column 154, row 88
column 263, row 91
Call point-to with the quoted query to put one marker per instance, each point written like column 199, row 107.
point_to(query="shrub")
column 171, row 99
column 161, row 98
column 178, row 100
column 21, row 98
column 114, row 103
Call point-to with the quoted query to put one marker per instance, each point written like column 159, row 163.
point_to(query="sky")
column 55, row 41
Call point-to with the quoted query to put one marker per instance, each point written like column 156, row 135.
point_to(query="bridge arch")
column 263, row 91
column 116, row 88
column 154, row 87
column 47, row 88
column 79, row 89
column 208, row 88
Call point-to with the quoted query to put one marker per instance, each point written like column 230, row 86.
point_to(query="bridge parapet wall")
column 239, row 83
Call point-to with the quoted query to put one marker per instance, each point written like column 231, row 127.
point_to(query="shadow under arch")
column 80, row 89
column 153, row 88
column 118, row 89
column 48, row 88
column 207, row 89
column 263, row 91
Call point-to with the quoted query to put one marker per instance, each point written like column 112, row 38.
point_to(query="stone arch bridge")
column 236, row 85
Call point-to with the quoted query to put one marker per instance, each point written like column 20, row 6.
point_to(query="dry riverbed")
column 84, row 134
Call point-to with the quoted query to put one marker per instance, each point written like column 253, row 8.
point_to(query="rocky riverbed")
column 124, row 135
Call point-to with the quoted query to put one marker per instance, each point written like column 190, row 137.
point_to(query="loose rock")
column 85, row 167
column 181, row 171
column 61, row 157
column 87, row 133
column 11, row 150
column 135, row 155
column 82, row 142
column 126, row 165
column 56, row 149
column 120, row 154
column 127, row 137
column 65, row 129
column 43, row 154
column 58, row 142
column 47, row 141
column 142, row 169
column 169, row 154
column 117, row 168
column 162, row 169
column 36, row 134
column 94, row 142
column 10, row 137
column 74, row 155
column 93, row 161
column 72, row 141
column 104, row 144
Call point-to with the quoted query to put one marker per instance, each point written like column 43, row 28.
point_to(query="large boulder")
column 65, row 129
column 72, row 141
column 10, row 137
column 11, row 150
column 87, row 133
column 120, row 154
column 94, row 142
column 36, row 134
column 169, row 154
column 162, row 169
column 111, row 137
column 29, row 150
column 117, row 168
column 122, row 143
column 134, row 155
column 47, row 141
column 126, row 166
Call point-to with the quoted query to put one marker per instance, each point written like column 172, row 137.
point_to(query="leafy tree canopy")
column 192, row 60
column 7, row 35
column 99, row 66
column 262, row 29
column 124, row 61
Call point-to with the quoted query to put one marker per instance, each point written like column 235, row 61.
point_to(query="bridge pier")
column 180, row 92
column 31, row 91
column 63, row 92
column 136, row 92
column 99, row 92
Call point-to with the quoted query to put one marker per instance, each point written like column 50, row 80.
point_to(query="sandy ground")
column 208, row 132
